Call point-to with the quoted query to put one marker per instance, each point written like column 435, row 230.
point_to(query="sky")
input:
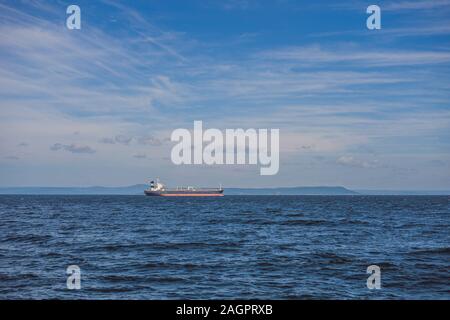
column 364, row 109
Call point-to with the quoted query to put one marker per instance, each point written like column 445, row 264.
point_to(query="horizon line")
column 238, row 187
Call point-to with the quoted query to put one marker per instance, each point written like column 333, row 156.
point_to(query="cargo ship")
column 157, row 189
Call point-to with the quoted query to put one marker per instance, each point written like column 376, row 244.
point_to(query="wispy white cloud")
column 74, row 148
column 418, row 30
column 11, row 157
column 388, row 5
column 353, row 162
column 354, row 55
column 89, row 69
column 149, row 141
column 140, row 156
column 416, row 5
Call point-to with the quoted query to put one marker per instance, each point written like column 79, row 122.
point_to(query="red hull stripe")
column 190, row 195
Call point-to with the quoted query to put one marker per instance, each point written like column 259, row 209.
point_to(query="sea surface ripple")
column 246, row 247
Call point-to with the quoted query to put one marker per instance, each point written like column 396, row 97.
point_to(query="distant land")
column 404, row 192
column 138, row 189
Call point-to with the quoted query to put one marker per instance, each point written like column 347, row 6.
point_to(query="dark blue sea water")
column 277, row 247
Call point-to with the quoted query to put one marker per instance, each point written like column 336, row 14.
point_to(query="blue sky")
column 355, row 107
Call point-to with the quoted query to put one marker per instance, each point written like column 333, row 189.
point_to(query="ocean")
column 232, row 247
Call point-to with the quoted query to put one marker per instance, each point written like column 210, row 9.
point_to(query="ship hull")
column 184, row 193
